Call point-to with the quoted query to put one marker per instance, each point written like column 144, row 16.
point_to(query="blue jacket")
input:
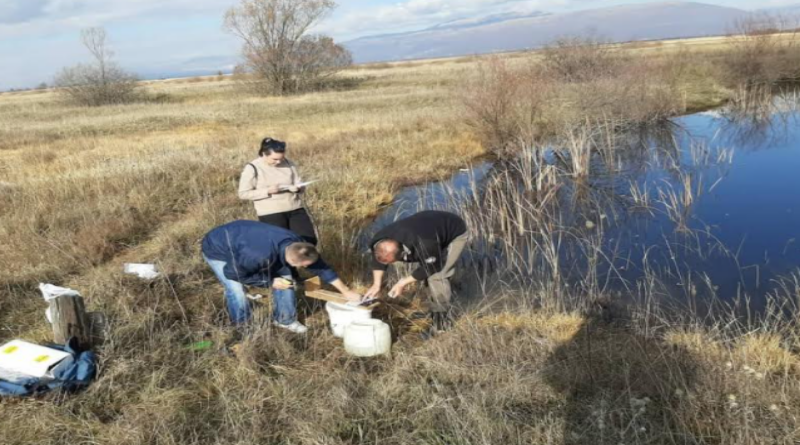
column 255, row 253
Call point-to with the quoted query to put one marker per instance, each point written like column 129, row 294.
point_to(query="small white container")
column 341, row 315
column 367, row 338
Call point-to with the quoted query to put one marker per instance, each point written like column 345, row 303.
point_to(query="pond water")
column 709, row 203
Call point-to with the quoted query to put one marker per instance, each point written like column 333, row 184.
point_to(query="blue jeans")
column 284, row 302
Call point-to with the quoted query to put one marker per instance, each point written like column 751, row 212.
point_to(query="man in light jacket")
column 257, row 254
column 434, row 240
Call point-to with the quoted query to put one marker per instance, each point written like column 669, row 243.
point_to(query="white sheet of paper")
column 283, row 188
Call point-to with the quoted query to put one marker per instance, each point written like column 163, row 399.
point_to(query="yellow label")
column 10, row 349
column 41, row 358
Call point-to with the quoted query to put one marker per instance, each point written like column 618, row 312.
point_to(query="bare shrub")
column 641, row 92
column 600, row 81
column 764, row 51
column 514, row 104
column 503, row 103
column 280, row 55
column 102, row 82
column 580, row 59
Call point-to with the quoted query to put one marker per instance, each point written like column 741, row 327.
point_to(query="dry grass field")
column 84, row 190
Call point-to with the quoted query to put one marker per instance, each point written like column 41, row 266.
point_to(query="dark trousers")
column 297, row 221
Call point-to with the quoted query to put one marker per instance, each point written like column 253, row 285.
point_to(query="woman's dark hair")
column 271, row 145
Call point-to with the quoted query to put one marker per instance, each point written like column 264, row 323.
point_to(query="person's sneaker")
column 295, row 326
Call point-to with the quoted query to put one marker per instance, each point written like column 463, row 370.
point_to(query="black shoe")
column 442, row 321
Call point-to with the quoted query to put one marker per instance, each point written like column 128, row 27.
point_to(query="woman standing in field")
column 271, row 182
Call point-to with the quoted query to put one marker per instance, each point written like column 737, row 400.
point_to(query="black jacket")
column 423, row 239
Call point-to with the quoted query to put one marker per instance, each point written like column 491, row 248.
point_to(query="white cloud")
column 34, row 17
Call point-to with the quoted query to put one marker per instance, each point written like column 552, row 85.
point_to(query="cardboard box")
column 20, row 360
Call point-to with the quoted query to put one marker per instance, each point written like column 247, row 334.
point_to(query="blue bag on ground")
column 72, row 378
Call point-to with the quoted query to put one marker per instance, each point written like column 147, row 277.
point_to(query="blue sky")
column 38, row 37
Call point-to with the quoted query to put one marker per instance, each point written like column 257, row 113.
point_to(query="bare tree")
column 278, row 51
column 101, row 82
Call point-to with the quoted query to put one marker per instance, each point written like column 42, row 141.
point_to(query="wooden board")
column 314, row 290
column 335, row 297
column 312, row 284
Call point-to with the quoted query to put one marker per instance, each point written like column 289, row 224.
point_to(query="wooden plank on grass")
column 325, row 295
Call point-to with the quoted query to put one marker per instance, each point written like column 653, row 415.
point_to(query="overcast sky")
column 150, row 37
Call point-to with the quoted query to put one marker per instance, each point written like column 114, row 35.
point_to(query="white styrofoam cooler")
column 21, row 360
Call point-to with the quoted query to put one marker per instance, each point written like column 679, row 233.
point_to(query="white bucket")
column 341, row 315
column 367, row 338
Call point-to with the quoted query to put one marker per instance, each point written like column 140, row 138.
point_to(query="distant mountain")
column 198, row 66
column 514, row 32
column 211, row 63
column 484, row 20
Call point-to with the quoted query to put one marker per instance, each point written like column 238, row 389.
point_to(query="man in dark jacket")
column 257, row 254
column 433, row 239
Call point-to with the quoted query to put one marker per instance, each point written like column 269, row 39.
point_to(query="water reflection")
column 699, row 208
column 760, row 118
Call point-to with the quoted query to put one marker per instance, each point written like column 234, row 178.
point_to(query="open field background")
column 83, row 190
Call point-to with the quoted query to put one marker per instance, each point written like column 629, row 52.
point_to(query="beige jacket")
column 254, row 187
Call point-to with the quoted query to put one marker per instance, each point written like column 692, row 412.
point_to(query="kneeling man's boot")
column 442, row 321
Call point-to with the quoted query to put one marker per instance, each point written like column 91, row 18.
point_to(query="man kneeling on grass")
column 433, row 239
column 257, row 254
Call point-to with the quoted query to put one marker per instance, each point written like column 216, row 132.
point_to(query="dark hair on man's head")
column 269, row 145
column 299, row 253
